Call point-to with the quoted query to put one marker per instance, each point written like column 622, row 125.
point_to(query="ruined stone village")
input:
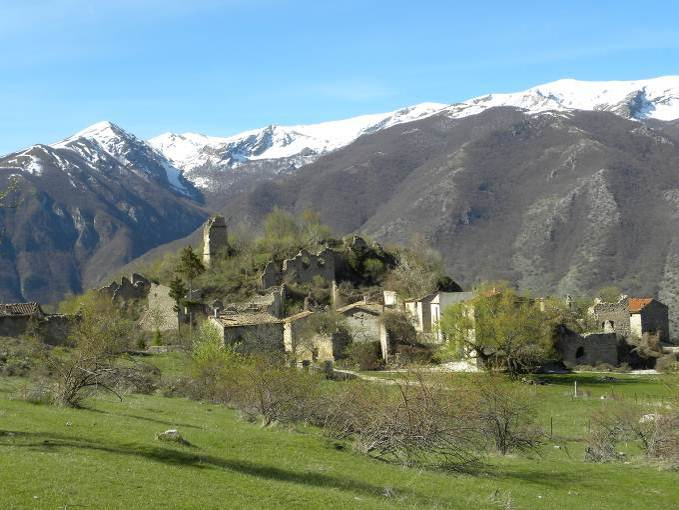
column 261, row 322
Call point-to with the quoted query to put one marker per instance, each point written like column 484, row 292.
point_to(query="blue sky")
column 220, row 67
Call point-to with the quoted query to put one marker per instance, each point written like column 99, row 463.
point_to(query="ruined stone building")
column 215, row 239
column 255, row 325
column 589, row 348
column 633, row 317
column 133, row 288
column 304, row 344
column 303, row 268
column 17, row 318
column 365, row 324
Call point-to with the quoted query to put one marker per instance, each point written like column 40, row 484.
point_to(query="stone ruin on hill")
column 215, row 238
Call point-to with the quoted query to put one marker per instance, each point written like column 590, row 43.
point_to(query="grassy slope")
column 108, row 458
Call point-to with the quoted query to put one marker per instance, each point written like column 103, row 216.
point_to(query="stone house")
column 364, row 323
column 304, row 346
column 649, row 316
column 426, row 311
column 15, row 319
column 253, row 331
column 632, row 317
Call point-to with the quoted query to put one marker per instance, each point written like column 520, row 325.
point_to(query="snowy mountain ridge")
column 656, row 98
column 300, row 144
column 198, row 155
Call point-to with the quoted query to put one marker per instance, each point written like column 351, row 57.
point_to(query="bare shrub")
column 507, row 413
column 100, row 337
column 276, row 393
column 413, row 423
column 605, row 432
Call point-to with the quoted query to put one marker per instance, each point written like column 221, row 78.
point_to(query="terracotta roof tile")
column 637, row 304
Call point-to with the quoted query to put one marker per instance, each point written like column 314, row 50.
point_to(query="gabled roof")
column 298, row 316
column 372, row 308
column 638, row 304
column 19, row 309
column 233, row 320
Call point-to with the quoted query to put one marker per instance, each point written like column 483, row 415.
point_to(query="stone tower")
column 215, row 238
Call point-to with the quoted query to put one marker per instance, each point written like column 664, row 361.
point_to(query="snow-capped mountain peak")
column 293, row 146
column 105, row 140
column 656, row 98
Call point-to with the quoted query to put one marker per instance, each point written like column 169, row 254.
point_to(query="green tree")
column 190, row 266
column 501, row 327
column 178, row 292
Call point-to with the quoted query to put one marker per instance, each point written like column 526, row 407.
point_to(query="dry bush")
column 413, row 423
column 605, row 432
column 274, row 392
column 100, row 337
column 657, row 434
column 506, row 413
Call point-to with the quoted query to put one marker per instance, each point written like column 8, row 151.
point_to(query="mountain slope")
column 559, row 203
column 211, row 162
column 87, row 205
column 656, row 98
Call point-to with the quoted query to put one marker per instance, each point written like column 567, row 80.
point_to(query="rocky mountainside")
column 558, row 202
column 216, row 164
column 86, row 206
column 227, row 165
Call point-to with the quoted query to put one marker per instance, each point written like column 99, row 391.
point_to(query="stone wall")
column 215, row 238
column 365, row 326
column 13, row 326
column 262, row 337
column 52, row 329
column 303, row 268
column 317, row 348
column 589, row 349
column 133, row 288
column 613, row 317
column 160, row 313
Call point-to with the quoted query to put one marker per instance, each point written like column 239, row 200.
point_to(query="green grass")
column 106, row 456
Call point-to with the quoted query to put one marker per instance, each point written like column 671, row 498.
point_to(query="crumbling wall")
column 160, row 312
column 215, row 238
column 613, row 317
column 303, row 268
column 589, row 348
column 133, row 288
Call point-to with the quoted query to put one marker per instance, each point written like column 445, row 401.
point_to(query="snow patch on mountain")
column 656, row 98
column 126, row 149
column 190, row 151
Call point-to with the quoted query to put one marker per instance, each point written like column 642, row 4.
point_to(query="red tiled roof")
column 637, row 304
column 19, row 309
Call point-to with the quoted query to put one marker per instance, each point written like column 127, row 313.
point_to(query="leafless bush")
column 657, row 434
column 100, row 338
column 605, row 432
column 417, row 423
column 507, row 415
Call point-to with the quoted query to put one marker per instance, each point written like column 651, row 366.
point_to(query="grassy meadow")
column 106, row 456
